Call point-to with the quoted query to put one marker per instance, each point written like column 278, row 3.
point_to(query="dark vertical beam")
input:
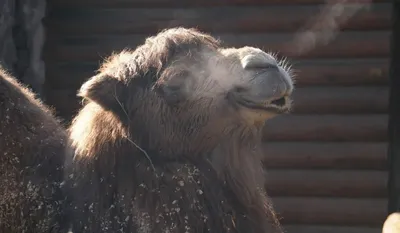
column 394, row 114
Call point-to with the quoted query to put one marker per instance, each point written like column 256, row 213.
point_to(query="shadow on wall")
column 21, row 40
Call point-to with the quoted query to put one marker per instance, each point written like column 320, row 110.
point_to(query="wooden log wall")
column 326, row 162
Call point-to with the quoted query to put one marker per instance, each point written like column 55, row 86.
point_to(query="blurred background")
column 327, row 162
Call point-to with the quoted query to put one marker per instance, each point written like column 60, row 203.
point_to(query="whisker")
column 127, row 137
column 143, row 151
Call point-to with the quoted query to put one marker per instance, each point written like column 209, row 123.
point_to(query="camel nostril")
column 258, row 66
column 271, row 66
column 258, row 62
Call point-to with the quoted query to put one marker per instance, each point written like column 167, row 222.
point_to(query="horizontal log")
column 341, row 100
column 330, row 229
column 325, row 155
column 326, row 183
column 371, row 128
column 88, row 21
column 179, row 3
column 69, row 75
column 344, row 72
column 368, row 212
column 346, row 45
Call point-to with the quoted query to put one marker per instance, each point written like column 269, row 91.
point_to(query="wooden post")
column 394, row 114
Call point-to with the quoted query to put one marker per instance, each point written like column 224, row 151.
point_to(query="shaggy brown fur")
column 32, row 146
column 160, row 149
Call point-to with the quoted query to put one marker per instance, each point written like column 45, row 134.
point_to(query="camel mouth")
column 277, row 105
column 281, row 102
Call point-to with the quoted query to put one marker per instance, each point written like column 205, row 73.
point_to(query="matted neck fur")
column 180, row 98
column 32, row 153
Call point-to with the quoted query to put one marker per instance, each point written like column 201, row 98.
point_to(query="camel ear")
column 106, row 91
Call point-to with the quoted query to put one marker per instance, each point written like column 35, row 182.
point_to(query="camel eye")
column 172, row 88
column 175, row 87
